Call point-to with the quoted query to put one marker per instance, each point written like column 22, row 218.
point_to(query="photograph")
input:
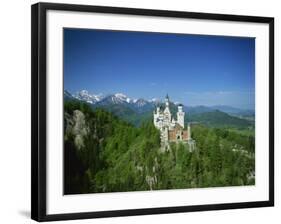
column 148, row 111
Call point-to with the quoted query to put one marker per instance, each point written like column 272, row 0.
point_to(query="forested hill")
column 103, row 153
column 219, row 119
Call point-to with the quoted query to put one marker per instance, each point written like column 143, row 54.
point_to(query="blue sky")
column 192, row 69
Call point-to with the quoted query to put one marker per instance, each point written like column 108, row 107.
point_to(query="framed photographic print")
column 139, row 111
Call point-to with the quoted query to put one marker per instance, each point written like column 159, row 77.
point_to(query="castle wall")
column 172, row 135
column 185, row 135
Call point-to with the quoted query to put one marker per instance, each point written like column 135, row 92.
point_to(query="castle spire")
column 167, row 100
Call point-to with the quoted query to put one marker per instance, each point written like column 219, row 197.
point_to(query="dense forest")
column 103, row 153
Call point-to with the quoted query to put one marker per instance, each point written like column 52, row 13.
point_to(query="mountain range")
column 142, row 105
column 138, row 110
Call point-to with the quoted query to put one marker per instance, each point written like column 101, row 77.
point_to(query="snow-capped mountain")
column 155, row 101
column 84, row 95
column 139, row 105
column 122, row 97
column 118, row 98
column 142, row 105
column 141, row 102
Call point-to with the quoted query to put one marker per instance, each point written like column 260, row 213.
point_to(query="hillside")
column 219, row 119
column 103, row 153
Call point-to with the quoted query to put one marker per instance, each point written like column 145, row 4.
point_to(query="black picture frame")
column 38, row 108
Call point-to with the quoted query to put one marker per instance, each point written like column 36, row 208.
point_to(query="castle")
column 172, row 130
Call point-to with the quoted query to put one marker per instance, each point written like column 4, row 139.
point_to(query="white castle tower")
column 167, row 113
column 180, row 116
column 167, row 101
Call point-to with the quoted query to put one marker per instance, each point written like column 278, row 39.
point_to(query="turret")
column 188, row 132
column 180, row 116
column 156, row 117
column 180, row 108
column 167, row 100
column 157, row 110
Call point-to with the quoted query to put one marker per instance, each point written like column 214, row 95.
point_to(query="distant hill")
column 197, row 109
column 234, row 111
column 219, row 119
